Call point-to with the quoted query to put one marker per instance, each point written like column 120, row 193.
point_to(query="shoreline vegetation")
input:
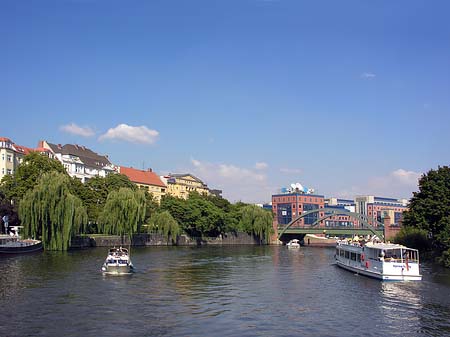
column 426, row 224
column 55, row 208
column 158, row 239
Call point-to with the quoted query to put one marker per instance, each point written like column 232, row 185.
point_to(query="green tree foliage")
column 429, row 209
column 124, row 212
column 6, row 208
column 201, row 216
column 177, row 207
column 34, row 165
column 50, row 212
column 152, row 205
column 95, row 192
column 165, row 224
column 256, row 221
column 413, row 237
column 197, row 216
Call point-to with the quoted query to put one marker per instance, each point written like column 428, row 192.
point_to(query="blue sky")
column 347, row 97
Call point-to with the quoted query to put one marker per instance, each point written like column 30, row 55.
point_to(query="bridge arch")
column 363, row 220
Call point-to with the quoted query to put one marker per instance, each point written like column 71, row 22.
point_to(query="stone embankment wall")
column 155, row 239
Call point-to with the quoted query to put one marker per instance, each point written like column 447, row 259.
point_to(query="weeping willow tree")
column 124, row 212
column 51, row 213
column 165, row 224
column 257, row 221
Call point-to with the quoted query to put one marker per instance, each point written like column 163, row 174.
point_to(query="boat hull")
column 117, row 270
column 319, row 241
column 21, row 248
column 379, row 276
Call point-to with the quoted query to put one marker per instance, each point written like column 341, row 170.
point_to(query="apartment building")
column 180, row 185
column 79, row 161
column 145, row 179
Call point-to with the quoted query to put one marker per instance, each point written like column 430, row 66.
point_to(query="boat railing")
column 396, row 260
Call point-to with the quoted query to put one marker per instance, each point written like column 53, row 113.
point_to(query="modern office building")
column 147, row 180
column 379, row 208
column 344, row 205
column 388, row 211
column 288, row 206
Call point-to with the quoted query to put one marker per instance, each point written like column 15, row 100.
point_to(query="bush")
column 444, row 259
column 414, row 238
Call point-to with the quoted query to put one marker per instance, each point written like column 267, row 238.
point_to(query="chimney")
column 149, row 169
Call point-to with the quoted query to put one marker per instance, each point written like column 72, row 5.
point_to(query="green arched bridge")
column 364, row 225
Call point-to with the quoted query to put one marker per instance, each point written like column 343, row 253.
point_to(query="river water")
column 215, row 291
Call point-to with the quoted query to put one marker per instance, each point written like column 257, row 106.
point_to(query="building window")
column 313, row 217
column 9, row 157
column 284, row 214
column 9, row 171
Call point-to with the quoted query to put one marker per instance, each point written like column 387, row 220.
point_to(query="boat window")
column 353, row 256
column 393, row 255
column 411, row 255
column 358, row 257
column 347, row 255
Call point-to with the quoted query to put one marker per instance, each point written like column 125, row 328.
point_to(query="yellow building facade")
column 11, row 156
column 180, row 185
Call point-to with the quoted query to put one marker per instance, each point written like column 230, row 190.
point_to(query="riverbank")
column 155, row 239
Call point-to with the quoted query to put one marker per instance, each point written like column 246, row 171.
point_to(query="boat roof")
column 386, row 246
column 120, row 249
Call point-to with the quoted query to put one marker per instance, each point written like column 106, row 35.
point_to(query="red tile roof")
column 141, row 177
column 22, row 149
column 42, row 149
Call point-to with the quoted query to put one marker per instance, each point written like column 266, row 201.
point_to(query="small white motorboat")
column 293, row 244
column 118, row 262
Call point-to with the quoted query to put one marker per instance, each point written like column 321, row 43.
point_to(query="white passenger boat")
column 384, row 261
column 118, row 262
column 293, row 244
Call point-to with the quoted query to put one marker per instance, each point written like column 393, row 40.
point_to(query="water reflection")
column 226, row 291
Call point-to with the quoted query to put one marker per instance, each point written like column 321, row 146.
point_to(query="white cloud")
column 132, row 134
column 368, row 76
column 237, row 183
column 290, row 170
column 399, row 183
column 77, row 130
column 261, row 166
column 410, row 178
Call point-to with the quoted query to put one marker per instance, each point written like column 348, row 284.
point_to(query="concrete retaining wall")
column 155, row 239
